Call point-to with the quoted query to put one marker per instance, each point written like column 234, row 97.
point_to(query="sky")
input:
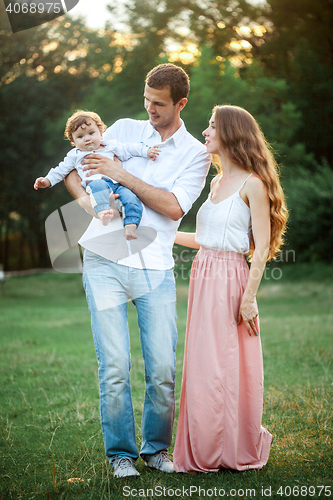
column 94, row 11
column 96, row 14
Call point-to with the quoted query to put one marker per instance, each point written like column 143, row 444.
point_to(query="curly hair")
column 169, row 75
column 245, row 144
column 79, row 118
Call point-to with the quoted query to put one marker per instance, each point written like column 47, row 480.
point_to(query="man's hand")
column 41, row 183
column 73, row 184
column 157, row 199
column 97, row 164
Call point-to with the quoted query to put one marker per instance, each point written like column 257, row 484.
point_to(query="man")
column 115, row 273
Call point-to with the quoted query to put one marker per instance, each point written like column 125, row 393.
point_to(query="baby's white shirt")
column 73, row 160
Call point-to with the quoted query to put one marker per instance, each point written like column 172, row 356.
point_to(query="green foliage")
column 22, row 138
column 310, row 201
column 214, row 82
column 44, row 72
column 311, row 85
column 122, row 98
column 298, row 47
column 293, row 21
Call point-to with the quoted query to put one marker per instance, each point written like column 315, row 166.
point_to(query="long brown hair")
column 243, row 141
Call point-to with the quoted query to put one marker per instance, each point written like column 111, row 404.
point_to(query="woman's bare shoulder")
column 255, row 184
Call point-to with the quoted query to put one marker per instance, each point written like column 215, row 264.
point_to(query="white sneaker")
column 124, row 467
column 161, row 461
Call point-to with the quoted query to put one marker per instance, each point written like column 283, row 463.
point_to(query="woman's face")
column 212, row 143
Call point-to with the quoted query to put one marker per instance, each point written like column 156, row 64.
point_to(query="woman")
column 219, row 423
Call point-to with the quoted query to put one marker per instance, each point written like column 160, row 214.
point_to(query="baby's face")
column 87, row 137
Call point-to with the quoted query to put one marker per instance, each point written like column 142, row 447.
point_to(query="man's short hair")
column 172, row 76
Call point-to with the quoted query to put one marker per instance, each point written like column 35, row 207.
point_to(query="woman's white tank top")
column 226, row 225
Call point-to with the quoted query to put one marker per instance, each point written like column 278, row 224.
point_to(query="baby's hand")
column 42, row 182
column 153, row 152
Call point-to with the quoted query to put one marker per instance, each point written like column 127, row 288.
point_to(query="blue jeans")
column 109, row 286
column 100, row 190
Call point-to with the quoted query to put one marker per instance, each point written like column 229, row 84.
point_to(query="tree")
column 310, row 202
column 154, row 24
column 299, row 48
column 44, row 71
column 311, row 86
column 291, row 22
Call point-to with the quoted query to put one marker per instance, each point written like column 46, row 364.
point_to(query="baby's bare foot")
column 105, row 216
column 130, row 232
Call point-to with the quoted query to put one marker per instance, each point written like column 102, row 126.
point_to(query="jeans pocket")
column 91, row 257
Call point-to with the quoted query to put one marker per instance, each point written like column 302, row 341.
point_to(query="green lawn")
column 49, row 404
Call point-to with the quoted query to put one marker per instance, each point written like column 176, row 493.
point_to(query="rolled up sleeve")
column 189, row 185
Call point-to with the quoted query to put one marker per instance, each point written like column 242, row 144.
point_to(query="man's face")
column 163, row 113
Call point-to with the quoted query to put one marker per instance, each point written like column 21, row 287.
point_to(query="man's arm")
column 75, row 188
column 157, row 199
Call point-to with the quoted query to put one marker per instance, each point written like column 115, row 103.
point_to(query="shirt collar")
column 103, row 143
column 177, row 137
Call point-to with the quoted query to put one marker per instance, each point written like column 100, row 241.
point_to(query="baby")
column 85, row 130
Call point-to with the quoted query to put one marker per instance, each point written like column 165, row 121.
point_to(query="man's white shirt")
column 180, row 168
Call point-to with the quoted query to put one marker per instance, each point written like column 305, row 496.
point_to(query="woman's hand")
column 248, row 312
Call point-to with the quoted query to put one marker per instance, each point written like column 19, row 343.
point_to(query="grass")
column 49, row 406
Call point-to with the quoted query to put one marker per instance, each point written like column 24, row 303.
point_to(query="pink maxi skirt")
column 219, row 424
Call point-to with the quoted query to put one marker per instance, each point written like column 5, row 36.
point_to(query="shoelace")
column 124, row 463
column 163, row 457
